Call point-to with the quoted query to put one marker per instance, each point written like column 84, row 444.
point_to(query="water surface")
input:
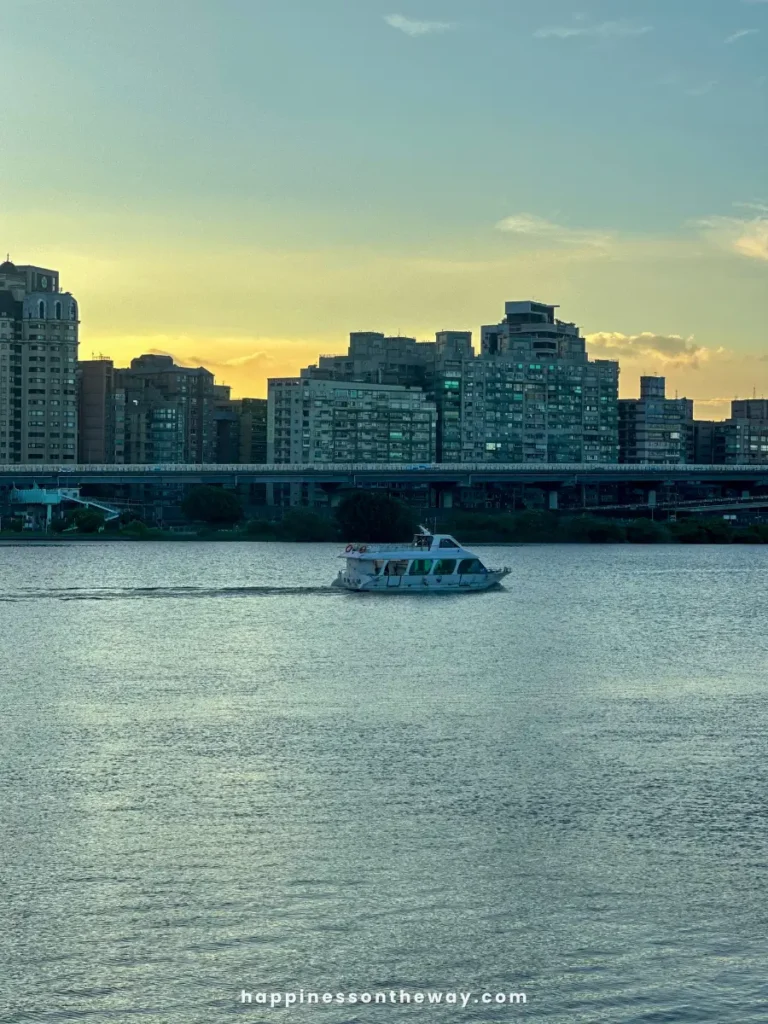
column 218, row 774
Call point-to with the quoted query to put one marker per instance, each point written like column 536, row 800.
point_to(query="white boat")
column 432, row 563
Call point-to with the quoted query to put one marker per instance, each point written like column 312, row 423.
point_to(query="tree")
column 136, row 529
column 301, row 524
column 88, row 520
column 592, row 530
column 261, row 529
column 702, row 531
column 755, row 533
column 212, row 505
column 535, row 525
column 375, row 517
column 647, row 531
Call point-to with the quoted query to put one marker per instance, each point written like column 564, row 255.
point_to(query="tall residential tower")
column 534, row 395
column 654, row 428
column 38, row 357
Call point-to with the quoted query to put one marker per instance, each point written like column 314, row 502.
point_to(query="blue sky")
column 266, row 175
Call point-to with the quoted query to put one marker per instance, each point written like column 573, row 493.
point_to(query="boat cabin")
column 433, row 555
column 427, row 567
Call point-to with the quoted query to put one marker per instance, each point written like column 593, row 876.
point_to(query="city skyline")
column 240, row 188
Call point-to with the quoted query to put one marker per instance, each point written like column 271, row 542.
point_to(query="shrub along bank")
column 373, row 516
column 553, row 528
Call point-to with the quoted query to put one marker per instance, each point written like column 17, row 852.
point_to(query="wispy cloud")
column 179, row 360
column 211, row 362
column 701, row 90
column 530, row 225
column 417, row 28
column 671, row 350
column 602, row 30
column 759, row 207
column 742, row 235
column 740, row 35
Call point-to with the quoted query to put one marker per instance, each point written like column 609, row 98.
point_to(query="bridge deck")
column 463, row 474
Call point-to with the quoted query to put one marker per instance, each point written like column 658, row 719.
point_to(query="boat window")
column 445, row 566
column 421, row 566
column 470, row 565
column 446, row 542
column 396, row 567
column 378, row 565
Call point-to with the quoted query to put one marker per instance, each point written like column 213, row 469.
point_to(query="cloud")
column 671, row 350
column 602, row 30
column 701, row 90
column 179, row 360
column 249, row 360
column 211, row 362
column 745, row 236
column 417, row 28
column 740, row 34
column 530, row 225
column 760, row 207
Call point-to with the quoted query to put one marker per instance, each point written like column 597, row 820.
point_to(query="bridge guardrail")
column 310, row 469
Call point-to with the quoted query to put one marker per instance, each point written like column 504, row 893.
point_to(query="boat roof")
column 435, row 543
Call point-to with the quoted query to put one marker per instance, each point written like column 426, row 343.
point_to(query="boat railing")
column 374, row 548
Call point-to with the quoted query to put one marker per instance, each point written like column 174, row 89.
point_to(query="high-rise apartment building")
column 742, row 440
column 708, row 443
column 226, row 420
column 534, row 395
column 374, row 358
column 311, row 420
column 755, row 410
column 377, row 359
column 241, row 428
column 38, row 356
column 164, row 413
column 654, row 428
column 96, row 411
column 253, row 430
column 453, row 351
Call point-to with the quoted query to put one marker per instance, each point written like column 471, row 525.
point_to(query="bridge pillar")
column 652, row 498
column 270, row 497
column 553, row 501
column 746, row 494
column 440, row 496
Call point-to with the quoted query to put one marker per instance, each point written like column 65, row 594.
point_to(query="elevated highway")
column 359, row 474
column 610, row 488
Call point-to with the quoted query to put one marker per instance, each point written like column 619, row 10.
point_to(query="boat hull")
column 418, row 584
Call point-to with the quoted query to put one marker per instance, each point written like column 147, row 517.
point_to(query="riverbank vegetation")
column 563, row 528
column 376, row 517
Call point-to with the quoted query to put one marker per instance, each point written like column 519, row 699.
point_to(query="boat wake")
column 132, row 593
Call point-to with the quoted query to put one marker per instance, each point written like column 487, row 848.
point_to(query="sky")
column 241, row 183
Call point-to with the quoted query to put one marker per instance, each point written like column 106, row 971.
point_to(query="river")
column 219, row 776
